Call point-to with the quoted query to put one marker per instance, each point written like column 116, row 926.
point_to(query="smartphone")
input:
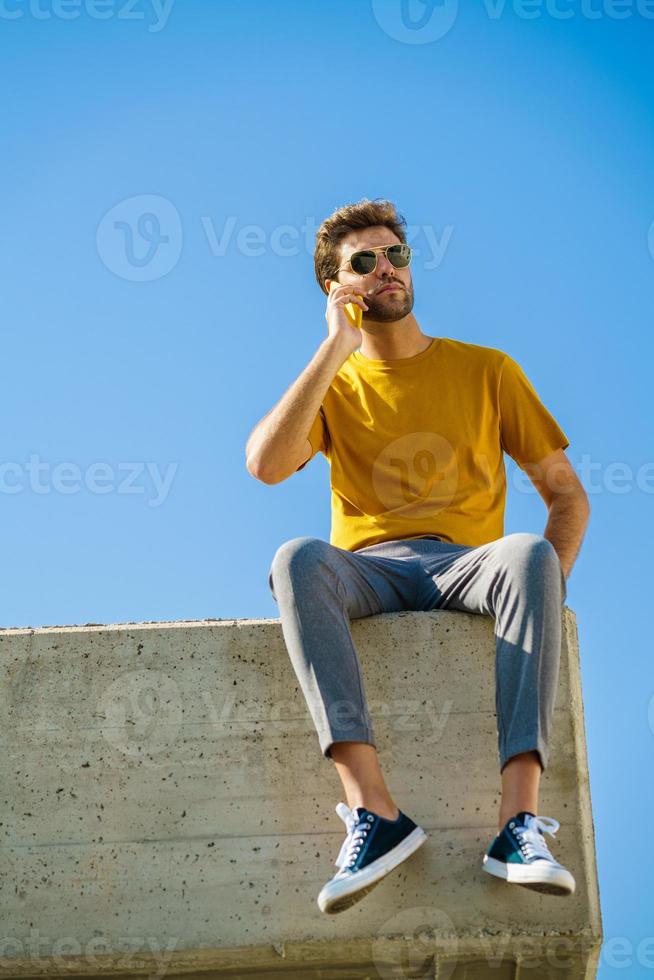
column 354, row 312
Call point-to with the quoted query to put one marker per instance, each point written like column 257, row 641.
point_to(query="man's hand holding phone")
column 344, row 314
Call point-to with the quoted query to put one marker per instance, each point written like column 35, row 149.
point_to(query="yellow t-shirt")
column 415, row 444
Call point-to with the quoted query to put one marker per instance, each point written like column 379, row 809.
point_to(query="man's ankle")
column 505, row 816
column 382, row 808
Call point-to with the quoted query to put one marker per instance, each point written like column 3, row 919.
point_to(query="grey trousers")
column 518, row 579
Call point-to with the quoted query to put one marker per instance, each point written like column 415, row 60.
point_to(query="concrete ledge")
column 167, row 809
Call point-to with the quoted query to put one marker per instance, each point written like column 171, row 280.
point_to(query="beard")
column 390, row 306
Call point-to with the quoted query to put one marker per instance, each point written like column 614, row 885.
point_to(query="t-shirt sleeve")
column 528, row 432
column 318, row 437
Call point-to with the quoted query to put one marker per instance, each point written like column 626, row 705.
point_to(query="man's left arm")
column 567, row 505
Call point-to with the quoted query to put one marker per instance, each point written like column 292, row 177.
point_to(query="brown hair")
column 363, row 214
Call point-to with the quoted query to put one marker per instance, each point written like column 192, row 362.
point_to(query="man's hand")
column 339, row 325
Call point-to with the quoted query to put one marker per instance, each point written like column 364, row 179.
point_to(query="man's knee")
column 527, row 543
column 528, row 551
column 296, row 557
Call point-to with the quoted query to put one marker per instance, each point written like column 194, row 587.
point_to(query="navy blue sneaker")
column 520, row 855
column 374, row 846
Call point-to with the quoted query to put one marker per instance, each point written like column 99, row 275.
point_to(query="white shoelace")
column 353, row 841
column 534, row 843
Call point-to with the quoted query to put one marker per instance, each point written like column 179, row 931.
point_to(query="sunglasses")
column 364, row 262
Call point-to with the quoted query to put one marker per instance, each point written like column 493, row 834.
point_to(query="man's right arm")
column 279, row 443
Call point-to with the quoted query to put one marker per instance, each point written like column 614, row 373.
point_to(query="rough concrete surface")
column 167, row 809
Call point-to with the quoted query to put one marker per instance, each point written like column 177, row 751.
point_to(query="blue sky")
column 518, row 143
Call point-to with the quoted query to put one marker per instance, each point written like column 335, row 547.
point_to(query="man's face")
column 386, row 305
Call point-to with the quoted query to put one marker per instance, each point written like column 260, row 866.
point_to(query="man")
column 414, row 428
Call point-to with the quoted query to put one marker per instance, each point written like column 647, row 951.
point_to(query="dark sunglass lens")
column 399, row 256
column 363, row 262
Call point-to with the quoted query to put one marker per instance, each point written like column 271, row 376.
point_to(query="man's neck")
column 390, row 346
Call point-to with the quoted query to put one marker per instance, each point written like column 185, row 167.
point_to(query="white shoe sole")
column 541, row 877
column 340, row 893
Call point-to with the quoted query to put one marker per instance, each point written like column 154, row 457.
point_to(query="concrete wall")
column 164, row 794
